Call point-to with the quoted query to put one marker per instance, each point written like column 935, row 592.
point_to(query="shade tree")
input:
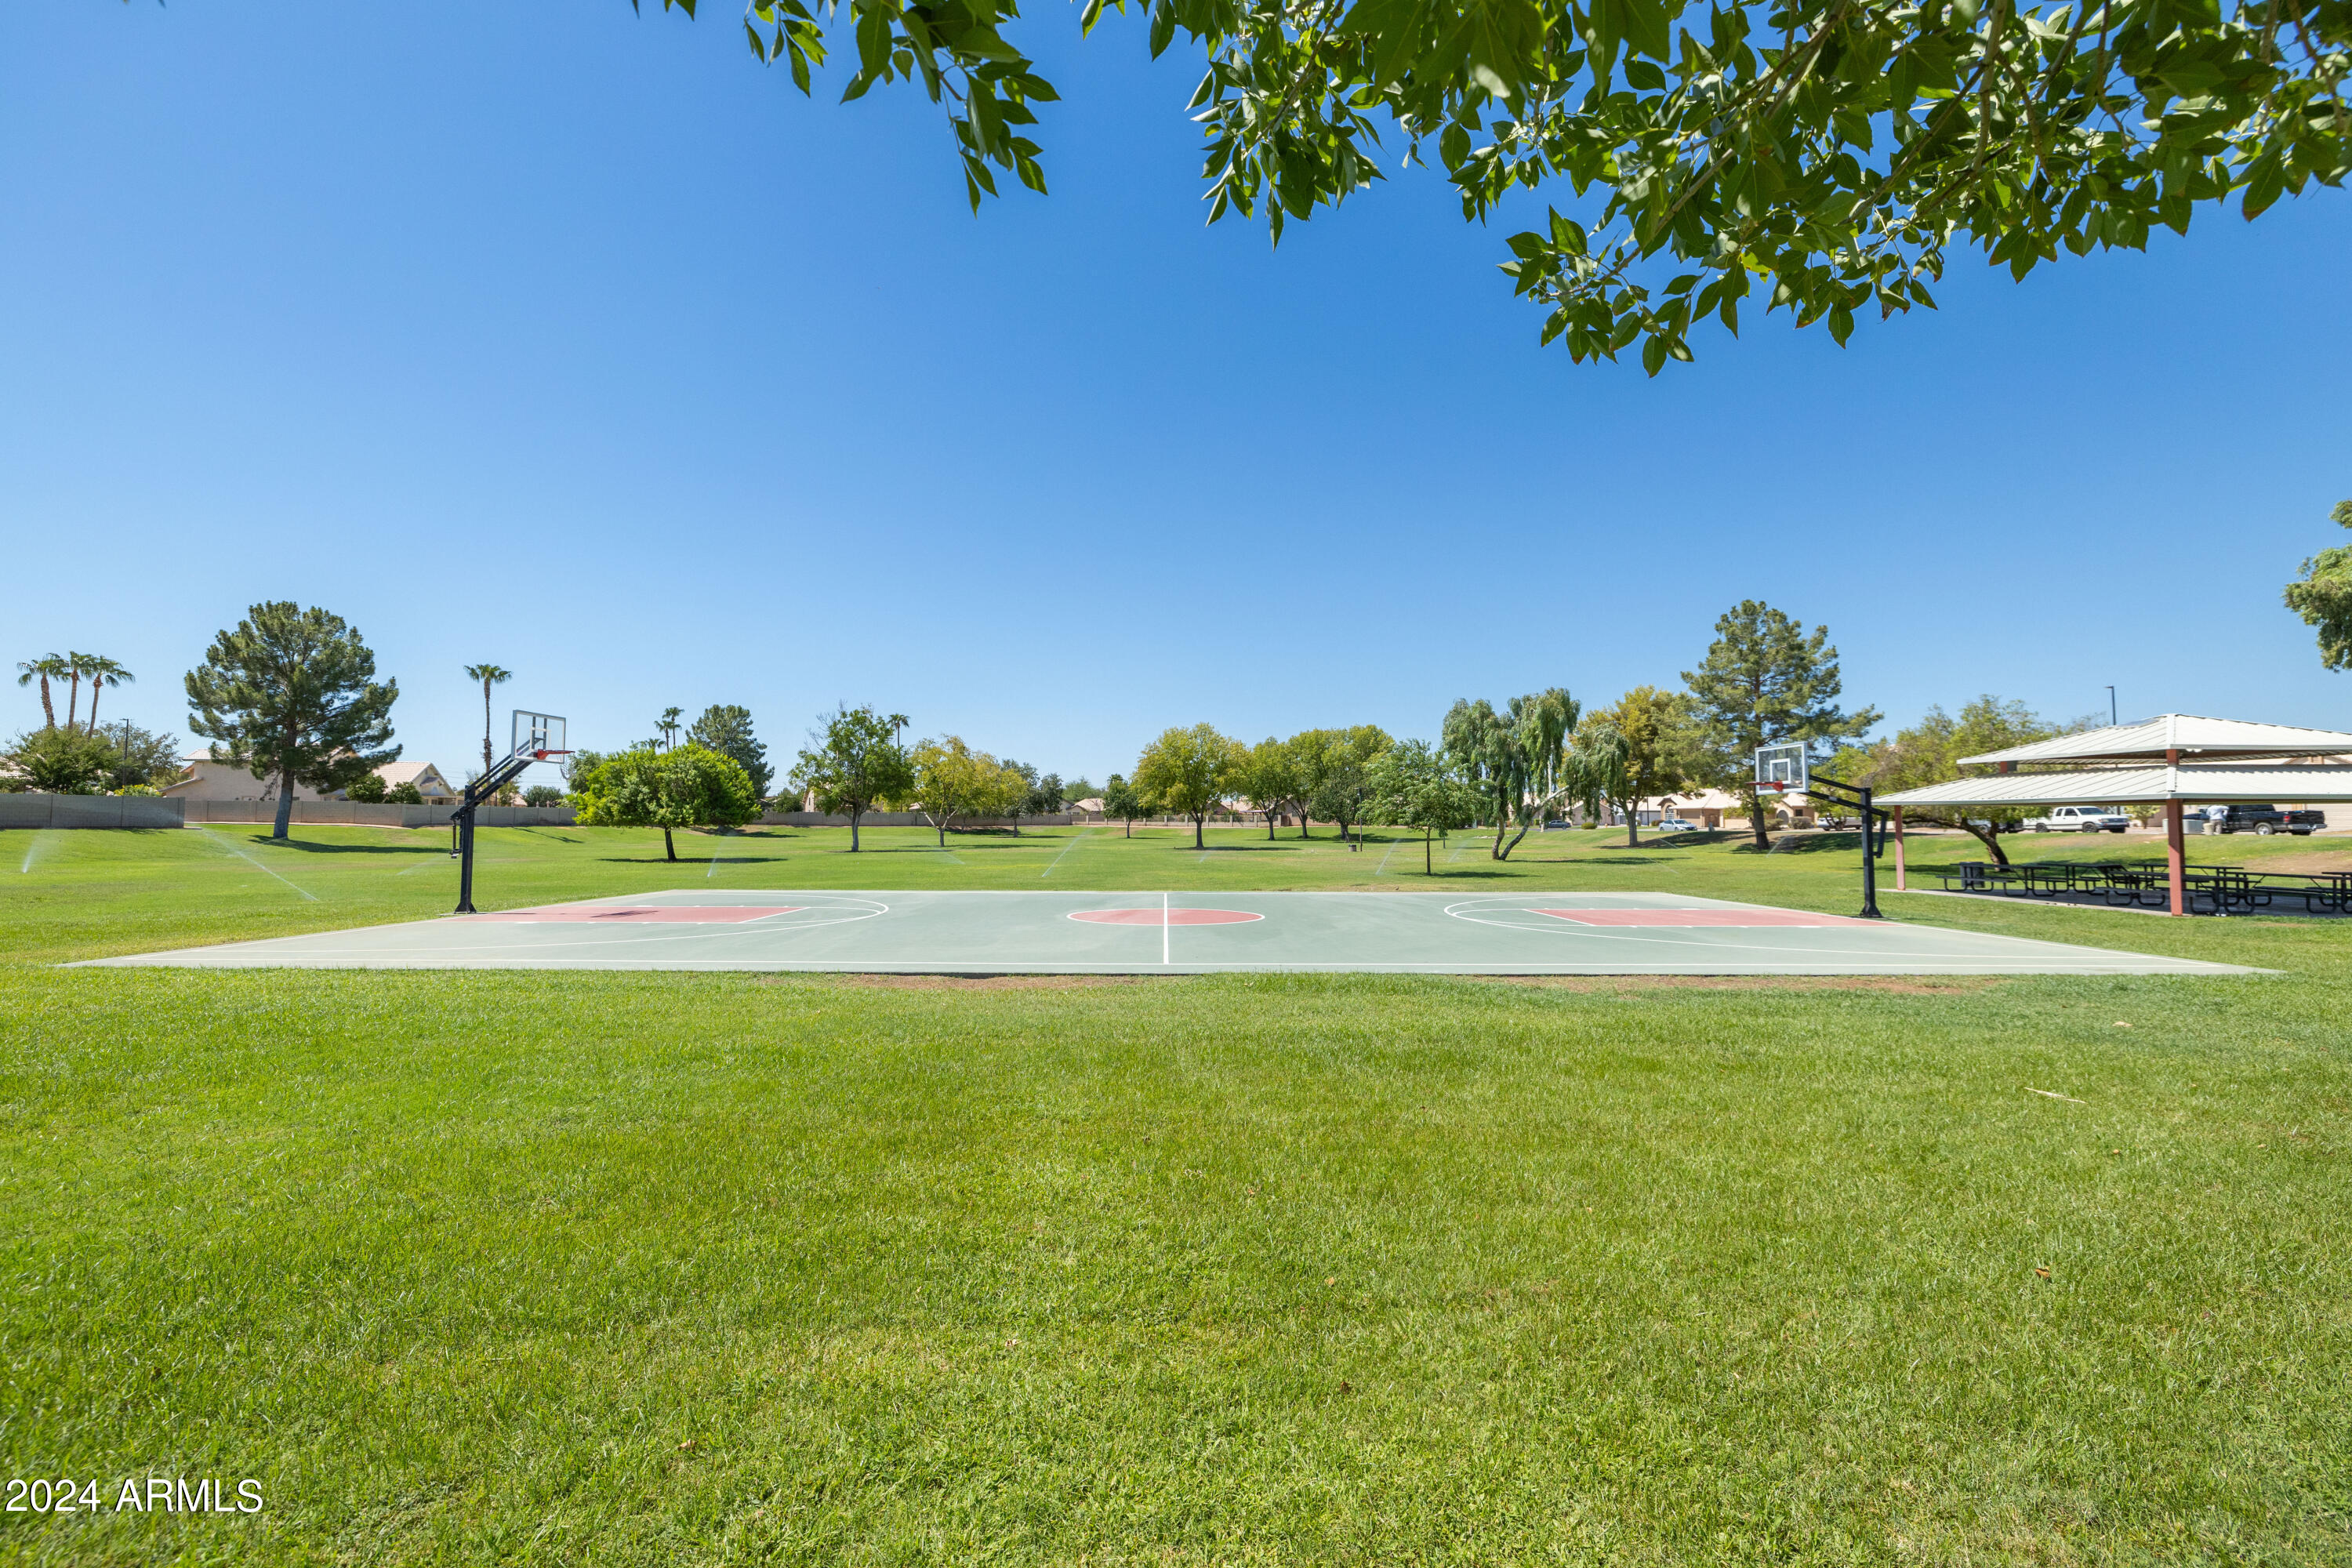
column 1189, row 772
column 852, row 763
column 725, row 728
column 1930, row 752
column 1413, row 784
column 1270, row 779
column 290, row 694
column 1661, row 751
column 1333, row 772
column 2322, row 596
column 1515, row 757
column 952, row 782
column 688, row 786
column 1122, row 802
column 142, row 756
column 1766, row 681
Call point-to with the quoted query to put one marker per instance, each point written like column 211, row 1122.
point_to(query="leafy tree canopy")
column 1657, row 750
column 2323, row 597
column 1513, row 758
column 292, row 693
column 1828, row 154
column 1270, row 779
column 140, row 756
column 853, row 762
column 953, row 782
column 1413, row 785
column 1334, row 772
column 1930, row 752
column 690, row 787
column 1189, row 773
column 60, row 760
column 726, row 730
column 1123, row 802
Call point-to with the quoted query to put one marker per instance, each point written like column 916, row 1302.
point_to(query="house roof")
column 2210, row 783
column 408, row 772
column 2188, row 733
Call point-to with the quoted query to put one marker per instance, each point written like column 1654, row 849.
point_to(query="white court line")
column 1956, row 966
column 1056, row 860
column 257, row 865
column 1597, row 934
column 1163, row 927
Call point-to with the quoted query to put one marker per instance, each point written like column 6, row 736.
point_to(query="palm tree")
column 489, row 675
column 43, row 669
column 668, row 725
column 77, row 665
column 102, row 671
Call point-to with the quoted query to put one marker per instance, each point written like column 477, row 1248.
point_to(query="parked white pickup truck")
column 2078, row 819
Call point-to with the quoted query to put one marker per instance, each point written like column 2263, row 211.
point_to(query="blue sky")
column 576, row 340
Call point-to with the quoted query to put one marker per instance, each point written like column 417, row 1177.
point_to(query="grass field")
column 672, row 1268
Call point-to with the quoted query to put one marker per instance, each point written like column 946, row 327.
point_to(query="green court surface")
column 977, row 932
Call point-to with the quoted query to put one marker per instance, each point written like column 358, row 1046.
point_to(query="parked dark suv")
column 2267, row 820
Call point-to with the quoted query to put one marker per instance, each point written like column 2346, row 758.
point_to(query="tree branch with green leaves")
column 1831, row 155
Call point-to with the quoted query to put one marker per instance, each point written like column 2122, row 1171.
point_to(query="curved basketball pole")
column 1874, row 834
column 481, row 792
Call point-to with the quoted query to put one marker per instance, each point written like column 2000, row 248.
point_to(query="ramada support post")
column 1901, row 885
column 2175, row 855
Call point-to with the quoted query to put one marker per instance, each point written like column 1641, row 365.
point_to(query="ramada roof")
column 2187, row 733
column 2208, row 783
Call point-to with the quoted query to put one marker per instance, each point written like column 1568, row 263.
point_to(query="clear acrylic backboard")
column 540, row 732
column 1786, row 768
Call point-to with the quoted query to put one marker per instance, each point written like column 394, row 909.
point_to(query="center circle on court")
column 1171, row 916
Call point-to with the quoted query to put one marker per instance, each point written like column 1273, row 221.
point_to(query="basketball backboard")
column 1785, row 768
column 540, row 732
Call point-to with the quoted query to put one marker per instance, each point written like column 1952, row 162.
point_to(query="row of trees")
column 290, row 692
column 1765, row 680
column 855, row 763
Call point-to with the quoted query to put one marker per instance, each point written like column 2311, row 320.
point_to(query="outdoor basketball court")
column 1175, row 933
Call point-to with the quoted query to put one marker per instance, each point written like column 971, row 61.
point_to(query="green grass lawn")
column 669, row 1269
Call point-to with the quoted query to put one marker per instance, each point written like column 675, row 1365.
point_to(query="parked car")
column 2078, row 819
column 1673, row 825
column 2267, row 820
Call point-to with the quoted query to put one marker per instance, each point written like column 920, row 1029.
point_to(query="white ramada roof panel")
column 2185, row 733
column 2212, row 783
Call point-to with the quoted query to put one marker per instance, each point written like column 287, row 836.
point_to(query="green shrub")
column 403, row 794
column 368, row 789
column 542, row 794
column 62, row 761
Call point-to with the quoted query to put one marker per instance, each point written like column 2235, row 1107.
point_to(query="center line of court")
column 1163, row 929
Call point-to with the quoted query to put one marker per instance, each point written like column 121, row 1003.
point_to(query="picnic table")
column 2224, row 890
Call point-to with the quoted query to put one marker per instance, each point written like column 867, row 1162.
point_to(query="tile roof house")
column 206, row 779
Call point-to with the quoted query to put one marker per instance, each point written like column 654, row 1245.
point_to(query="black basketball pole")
column 1856, row 796
column 466, row 860
column 482, row 789
column 1869, row 863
